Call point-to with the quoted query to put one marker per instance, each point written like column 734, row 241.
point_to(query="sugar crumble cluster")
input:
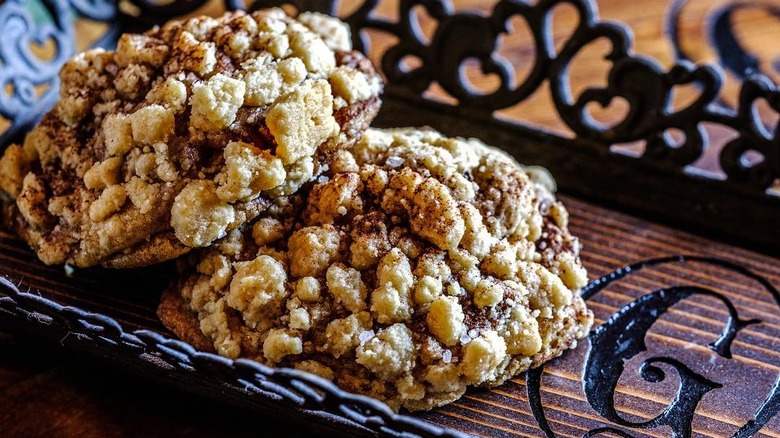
column 184, row 133
column 418, row 266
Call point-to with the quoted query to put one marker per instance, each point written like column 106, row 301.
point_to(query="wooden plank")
column 610, row 240
column 83, row 398
column 21, row 360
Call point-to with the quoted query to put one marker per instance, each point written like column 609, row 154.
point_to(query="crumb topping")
column 417, row 266
column 302, row 120
column 198, row 215
column 238, row 110
column 215, row 103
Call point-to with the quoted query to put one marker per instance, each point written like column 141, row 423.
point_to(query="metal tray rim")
column 298, row 390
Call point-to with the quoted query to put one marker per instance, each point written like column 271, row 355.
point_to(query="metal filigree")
column 21, row 71
column 722, row 35
column 622, row 337
column 641, row 82
column 300, row 391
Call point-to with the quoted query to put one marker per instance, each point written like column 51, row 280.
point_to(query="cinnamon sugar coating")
column 183, row 134
column 416, row 267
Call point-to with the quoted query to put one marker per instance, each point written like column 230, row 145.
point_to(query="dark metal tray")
column 683, row 345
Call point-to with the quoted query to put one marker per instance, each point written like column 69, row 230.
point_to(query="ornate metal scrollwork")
column 641, row 82
column 21, row 71
column 722, row 35
column 622, row 337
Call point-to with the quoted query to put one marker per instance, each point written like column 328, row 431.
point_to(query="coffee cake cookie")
column 183, row 134
column 417, row 266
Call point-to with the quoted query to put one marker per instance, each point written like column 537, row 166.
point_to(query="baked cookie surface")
column 415, row 267
column 183, row 134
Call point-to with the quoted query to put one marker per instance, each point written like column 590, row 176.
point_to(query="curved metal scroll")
column 301, row 391
column 641, row 82
column 458, row 37
column 622, row 337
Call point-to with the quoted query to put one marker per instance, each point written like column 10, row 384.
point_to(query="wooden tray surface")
column 717, row 395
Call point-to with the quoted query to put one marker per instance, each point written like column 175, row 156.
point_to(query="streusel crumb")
column 417, row 266
column 183, row 134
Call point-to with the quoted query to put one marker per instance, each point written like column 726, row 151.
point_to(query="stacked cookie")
column 183, row 134
column 399, row 263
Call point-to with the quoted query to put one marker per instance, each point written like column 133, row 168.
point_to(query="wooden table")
column 45, row 391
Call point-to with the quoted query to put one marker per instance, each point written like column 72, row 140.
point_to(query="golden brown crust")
column 192, row 127
column 173, row 312
column 417, row 266
column 161, row 246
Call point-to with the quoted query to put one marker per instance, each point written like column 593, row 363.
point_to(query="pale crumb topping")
column 215, row 103
column 338, row 198
column 30, row 202
column 171, row 93
column 110, row 201
column 257, row 285
column 347, row 287
column 302, row 120
column 352, row 86
column 152, row 124
column 267, row 79
column 237, row 109
column 279, row 344
column 137, row 49
column 103, row 174
column 391, row 301
column 143, row 195
column 313, row 250
column 118, row 133
column 311, row 49
column 388, row 354
column 402, row 276
column 198, row 216
column 342, row 335
column 335, row 34
column 14, row 165
column 266, row 231
column 308, row 289
column 193, row 55
column 248, row 172
column 482, row 356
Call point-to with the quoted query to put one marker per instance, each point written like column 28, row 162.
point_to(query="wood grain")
column 610, row 240
column 83, row 397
